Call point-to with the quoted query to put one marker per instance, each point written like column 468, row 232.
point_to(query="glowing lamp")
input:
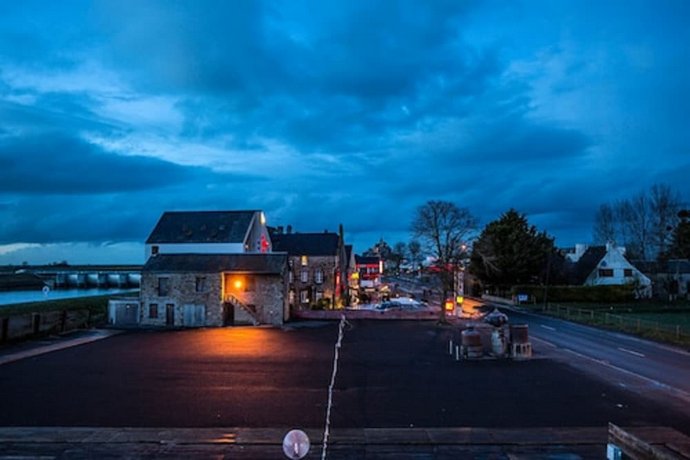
column 460, row 299
column 449, row 305
column 238, row 284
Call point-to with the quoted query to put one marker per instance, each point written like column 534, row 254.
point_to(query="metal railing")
column 624, row 322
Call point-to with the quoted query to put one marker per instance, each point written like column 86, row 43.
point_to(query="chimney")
column 279, row 230
column 289, row 229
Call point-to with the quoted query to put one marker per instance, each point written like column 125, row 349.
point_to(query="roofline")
column 249, row 230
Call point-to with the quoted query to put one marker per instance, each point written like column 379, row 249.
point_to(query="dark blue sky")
column 322, row 112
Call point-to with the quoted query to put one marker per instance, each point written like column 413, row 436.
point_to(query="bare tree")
column 605, row 225
column 635, row 219
column 664, row 206
column 444, row 230
column 414, row 248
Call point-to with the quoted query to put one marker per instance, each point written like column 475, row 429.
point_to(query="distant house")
column 369, row 269
column 318, row 267
column 671, row 279
column 212, row 268
column 604, row 265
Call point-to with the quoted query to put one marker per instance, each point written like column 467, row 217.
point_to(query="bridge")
column 87, row 276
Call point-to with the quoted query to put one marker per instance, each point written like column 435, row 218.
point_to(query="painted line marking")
column 548, row 327
column 636, row 353
column 544, row 341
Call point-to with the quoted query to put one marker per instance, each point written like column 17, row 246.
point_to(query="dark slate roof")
column 201, row 227
column 215, row 263
column 306, row 244
column 579, row 271
column 670, row 267
column 367, row 260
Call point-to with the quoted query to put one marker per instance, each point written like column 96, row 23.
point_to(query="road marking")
column 636, row 353
column 545, row 341
column 673, row 390
column 548, row 327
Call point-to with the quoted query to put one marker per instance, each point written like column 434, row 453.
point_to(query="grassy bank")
column 653, row 320
column 97, row 306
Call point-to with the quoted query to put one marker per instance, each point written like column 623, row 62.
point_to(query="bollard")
column 450, row 348
column 457, row 353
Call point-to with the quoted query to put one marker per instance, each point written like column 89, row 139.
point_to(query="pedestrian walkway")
column 36, row 347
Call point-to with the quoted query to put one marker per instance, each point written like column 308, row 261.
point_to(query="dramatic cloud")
column 112, row 112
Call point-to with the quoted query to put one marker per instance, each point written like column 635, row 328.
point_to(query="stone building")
column 212, row 268
column 318, row 268
column 188, row 290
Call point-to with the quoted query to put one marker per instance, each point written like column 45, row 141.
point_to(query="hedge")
column 595, row 294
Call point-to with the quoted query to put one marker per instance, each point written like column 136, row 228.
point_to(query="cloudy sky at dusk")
column 322, row 112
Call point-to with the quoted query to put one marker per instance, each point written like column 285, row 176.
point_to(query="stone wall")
column 182, row 290
column 265, row 294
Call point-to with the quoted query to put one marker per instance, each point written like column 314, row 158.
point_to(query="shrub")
column 593, row 294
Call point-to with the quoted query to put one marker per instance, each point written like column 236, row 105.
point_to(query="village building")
column 605, row 265
column 212, row 268
column 318, row 268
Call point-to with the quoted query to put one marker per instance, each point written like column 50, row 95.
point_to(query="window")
column 318, row 276
column 318, row 295
column 304, row 276
column 627, row 272
column 154, row 250
column 291, row 277
column 304, row 260
column 163, row 287
column 200, row 284
column 291, row 297
column 606, row 272
column 153, row 310
column 304, row 296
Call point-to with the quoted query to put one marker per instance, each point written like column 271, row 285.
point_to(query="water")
column 12, row 297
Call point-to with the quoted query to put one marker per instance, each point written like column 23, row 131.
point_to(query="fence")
column 25, row 325
column 628, row 323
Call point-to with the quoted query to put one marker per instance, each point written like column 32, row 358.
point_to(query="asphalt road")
column 659, row 364
column 391, row 374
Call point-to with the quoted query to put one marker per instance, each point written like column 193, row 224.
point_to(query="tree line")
column 510, row 251
column 649, row 224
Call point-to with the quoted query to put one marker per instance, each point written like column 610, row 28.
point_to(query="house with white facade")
column 605, row 265
column 212, row 268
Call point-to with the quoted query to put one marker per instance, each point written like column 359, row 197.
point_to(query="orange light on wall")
column 449, row 305
column 237, row 284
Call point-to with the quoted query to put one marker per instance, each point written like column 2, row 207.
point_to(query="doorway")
column 169, row 314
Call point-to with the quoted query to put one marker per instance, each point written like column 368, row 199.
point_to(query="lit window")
column 606, row 272
column 318, row 296
column 304, row 276
column 304, row 296
column 304, row 260
column 318, row 276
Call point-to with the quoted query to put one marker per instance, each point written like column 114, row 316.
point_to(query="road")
column 659, row 367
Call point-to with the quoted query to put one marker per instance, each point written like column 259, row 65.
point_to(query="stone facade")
column 203, row 299
column 320, row 279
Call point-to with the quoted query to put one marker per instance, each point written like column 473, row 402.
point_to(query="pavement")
column 398, row 395
column 31, row 348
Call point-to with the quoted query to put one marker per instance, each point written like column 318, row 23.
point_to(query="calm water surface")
column 7, row 298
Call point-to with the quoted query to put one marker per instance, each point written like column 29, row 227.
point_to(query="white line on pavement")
column 548, row 327
column 636, row 353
